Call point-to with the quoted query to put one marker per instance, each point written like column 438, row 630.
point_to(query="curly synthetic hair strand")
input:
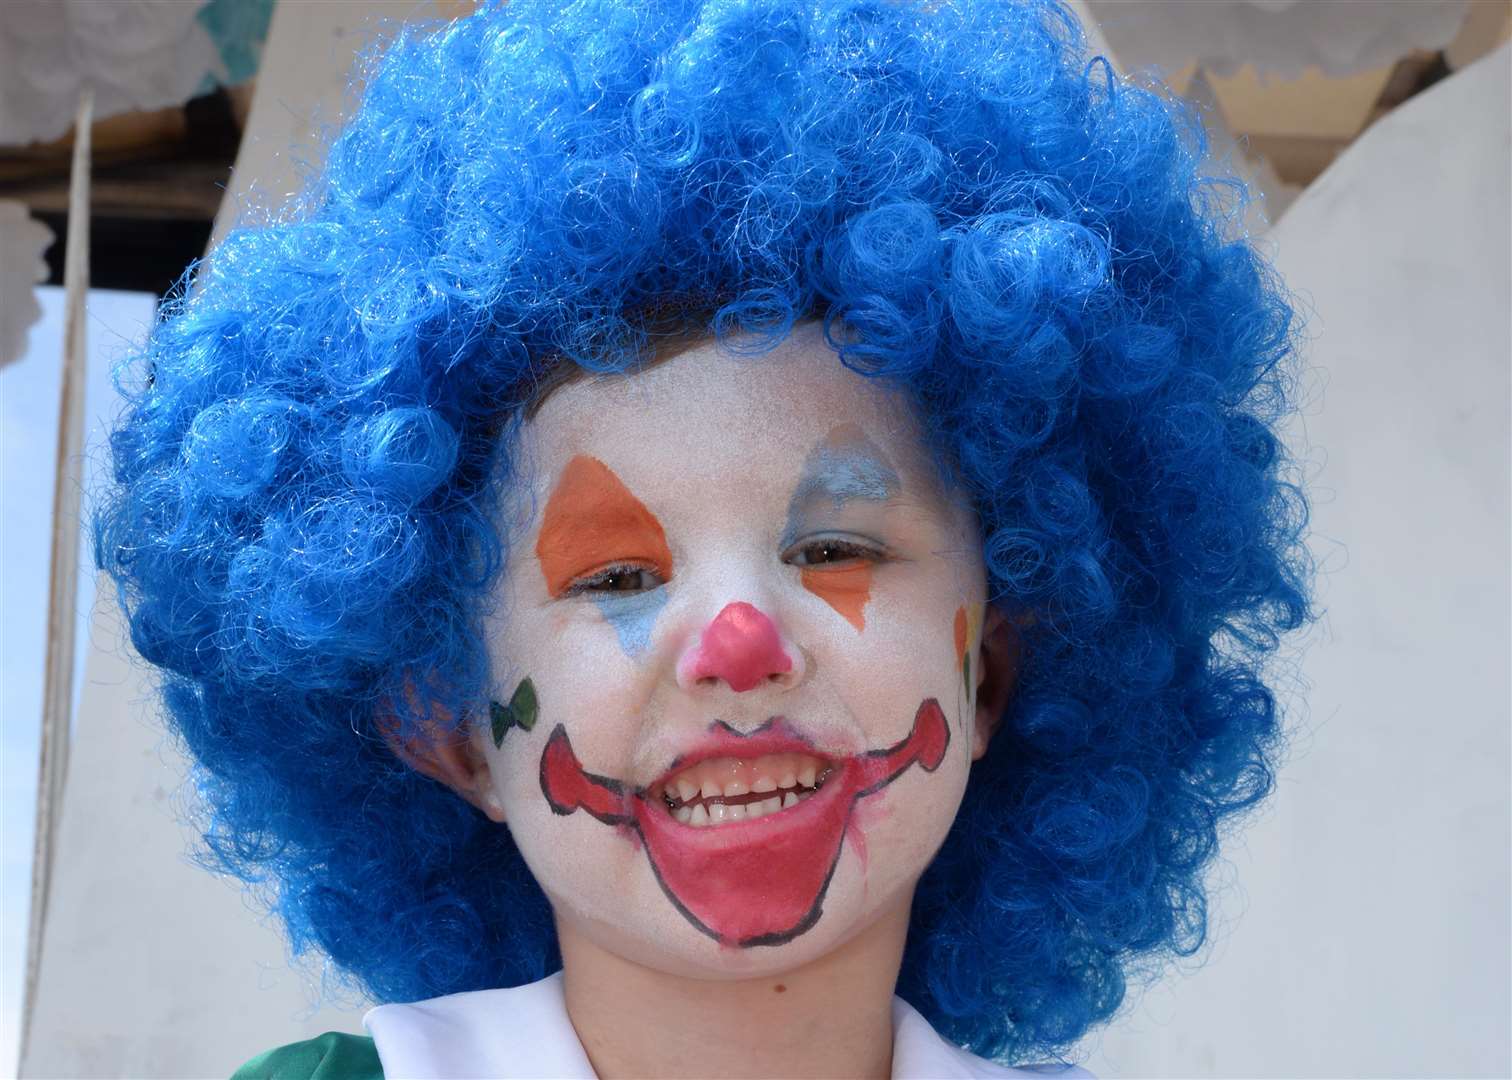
column 306, row 501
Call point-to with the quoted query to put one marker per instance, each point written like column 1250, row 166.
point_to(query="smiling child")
column 708, row 515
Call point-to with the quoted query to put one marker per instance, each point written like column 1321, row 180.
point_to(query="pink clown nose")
column 741, row 646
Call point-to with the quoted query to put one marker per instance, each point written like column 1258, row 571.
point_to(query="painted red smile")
column 756, row 882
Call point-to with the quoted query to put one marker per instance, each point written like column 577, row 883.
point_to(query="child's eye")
column 616, row 579
column 820, row 552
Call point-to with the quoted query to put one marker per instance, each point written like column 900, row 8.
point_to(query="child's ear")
column 446, row 751
column 996, row 667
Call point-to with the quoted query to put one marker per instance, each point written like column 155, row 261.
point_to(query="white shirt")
column 524, row 1032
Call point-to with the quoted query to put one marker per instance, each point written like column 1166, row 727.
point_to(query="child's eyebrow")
column 845, row 474
column 844, row 466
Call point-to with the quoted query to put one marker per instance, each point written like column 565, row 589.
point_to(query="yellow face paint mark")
column 968, row 628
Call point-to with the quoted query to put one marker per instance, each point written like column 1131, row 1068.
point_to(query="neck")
column 829, row 1018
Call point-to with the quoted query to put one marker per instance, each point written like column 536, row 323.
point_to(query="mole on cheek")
column 592, row 519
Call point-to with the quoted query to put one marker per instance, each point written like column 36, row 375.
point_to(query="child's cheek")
column 576, row 670
column 632, row 617
column 912, row 648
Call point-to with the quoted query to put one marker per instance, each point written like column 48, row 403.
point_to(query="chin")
column 653, row 934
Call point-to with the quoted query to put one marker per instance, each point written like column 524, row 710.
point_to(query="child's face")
column 748, row 615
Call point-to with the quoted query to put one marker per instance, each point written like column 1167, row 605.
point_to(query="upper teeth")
column 694, row 796
column 718, row 813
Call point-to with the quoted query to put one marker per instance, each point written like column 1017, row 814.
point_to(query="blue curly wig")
column 308, row 475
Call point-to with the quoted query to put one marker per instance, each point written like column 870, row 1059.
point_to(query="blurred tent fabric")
column 22, row 241
column 1278, row 37
column 136, row 54
column 1368, row 916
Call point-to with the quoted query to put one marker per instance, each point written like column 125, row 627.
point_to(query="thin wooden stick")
column 57, row 689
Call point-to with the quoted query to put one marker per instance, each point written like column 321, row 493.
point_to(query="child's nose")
column 741, row 646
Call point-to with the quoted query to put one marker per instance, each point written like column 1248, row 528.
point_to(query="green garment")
column 332, row 1056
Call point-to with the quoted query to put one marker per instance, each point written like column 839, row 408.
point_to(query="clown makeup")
column 590, row 517
column 845, row 476
column 746, row 609
column 520, row 712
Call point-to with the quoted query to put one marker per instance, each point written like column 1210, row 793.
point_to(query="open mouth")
column 743, row 882
column 722, row 790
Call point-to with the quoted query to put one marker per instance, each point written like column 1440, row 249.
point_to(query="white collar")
column 525, row 1032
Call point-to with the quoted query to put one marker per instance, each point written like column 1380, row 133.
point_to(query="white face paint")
column 741, row 600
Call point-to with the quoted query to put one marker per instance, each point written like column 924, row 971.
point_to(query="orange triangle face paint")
column 844, row 588
column 845, row 468
column 591, row 520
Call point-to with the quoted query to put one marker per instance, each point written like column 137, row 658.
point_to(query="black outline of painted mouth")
column 560, row 743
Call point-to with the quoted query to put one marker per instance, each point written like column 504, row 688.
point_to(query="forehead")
column 725, row 428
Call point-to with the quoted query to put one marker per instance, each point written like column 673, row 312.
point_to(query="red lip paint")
column 756, row 882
